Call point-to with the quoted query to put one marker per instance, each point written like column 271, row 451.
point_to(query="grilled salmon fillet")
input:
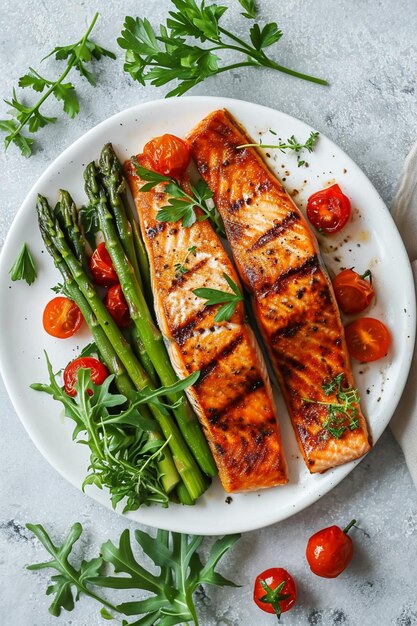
column 278, row 259
column 232, row 396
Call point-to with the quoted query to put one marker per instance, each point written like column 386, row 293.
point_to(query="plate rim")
column 308, row 498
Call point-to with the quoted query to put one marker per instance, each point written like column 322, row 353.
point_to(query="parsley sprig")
column 181, row 268
column 24, row 266
column 181, row 570
column 77, row 56
column 343, row 414
column 176, row 53
column 124, row 455
column 182, row 205
column 230, row 300
column 291, row 144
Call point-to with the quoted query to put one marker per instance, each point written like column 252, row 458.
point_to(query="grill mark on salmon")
column 281, row 269
column 276, row 231
column 177, row 282
column 310, row 266
column 250, row 387
column 207, row 369
column 233, row 396
column 186, row 330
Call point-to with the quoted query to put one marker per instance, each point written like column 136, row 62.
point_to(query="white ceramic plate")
column 369, row 240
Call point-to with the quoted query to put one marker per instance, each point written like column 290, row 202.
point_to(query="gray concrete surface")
column 367, row 49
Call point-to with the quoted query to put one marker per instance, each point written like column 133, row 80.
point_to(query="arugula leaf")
column 124, row 455
column 77, row 55
column 181, row 205
column 24, row 267
column 125, row 446
column 89, row 350
column 181, row 572
column 250, row 9
column 216, row 296
column 176, row 53
column 69, row 579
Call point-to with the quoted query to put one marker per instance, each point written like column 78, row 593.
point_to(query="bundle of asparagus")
column 143, row 361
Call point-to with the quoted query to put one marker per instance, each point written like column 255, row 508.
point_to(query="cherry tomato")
column 62, row 317
column 117, row 306
column 353, row 293
column 367, row 339
column 329, row 209
column 101, row 267
column 168, row 154
column 330, row 551
column 99, row 373
column 275, row 591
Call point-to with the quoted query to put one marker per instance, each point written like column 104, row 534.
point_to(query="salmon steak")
column 232, row 396
column 277, row 257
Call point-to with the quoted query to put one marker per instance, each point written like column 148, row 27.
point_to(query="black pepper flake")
column 229, row 500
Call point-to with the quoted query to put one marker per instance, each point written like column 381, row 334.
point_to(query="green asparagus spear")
column 169, row 474
column 141, row 316
column 183, row 459
column 115, row 185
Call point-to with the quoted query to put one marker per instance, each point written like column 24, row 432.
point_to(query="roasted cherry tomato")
column 117, row 306
column 330, row 551
column 275, row 591
column 99, row 373
column 367, row 339
column 168, row 154
column 101, row 267
column 353, row 293
column 329, row 209
column 62, row 317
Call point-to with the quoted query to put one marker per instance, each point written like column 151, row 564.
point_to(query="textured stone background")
column 367, row 49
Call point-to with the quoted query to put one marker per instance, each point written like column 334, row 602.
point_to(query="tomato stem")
column 349, row 526
column 367, row 274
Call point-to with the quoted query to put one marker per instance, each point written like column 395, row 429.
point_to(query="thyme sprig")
column 291, row 144
column 343, row 414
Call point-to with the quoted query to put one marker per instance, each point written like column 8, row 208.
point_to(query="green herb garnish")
column 291, row 144
column 181, row 570
column 250, row 8
column 180, row 268
column 181, row 205
column 342, row 415
column 24, row 266
column 176, row 53
column 77, row 55
column 124, row 453
column 216, row 296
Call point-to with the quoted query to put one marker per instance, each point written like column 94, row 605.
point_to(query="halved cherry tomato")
column 62, row 317
column 275, row 591
column 99, row 373
column 329, row 209
column 169, row 155
column 117, row 307
column 367, row 339
column 353, row 293
column 101, row 267
column 330, row 551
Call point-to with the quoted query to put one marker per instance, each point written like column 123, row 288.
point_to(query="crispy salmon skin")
column 232, row 396
column 277, row 257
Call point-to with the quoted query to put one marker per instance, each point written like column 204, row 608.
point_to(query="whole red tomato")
column 101, row 267
column 329, row 209
column 353, row 293
column 330, row 551
column 275, row 591
column 117, row 307
column 169, row 155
